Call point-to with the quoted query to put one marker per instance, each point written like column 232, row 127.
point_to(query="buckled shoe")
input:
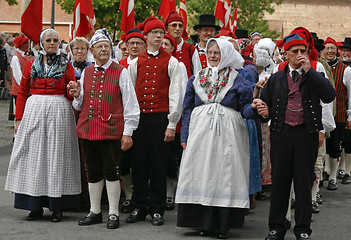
column 136, row 216
column 157, row 219
column 113, row 221
column 90, row 218
column 303, row 236
column 332, row 185
column 274, row 235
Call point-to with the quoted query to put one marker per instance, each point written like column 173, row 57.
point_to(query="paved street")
column 333, row 222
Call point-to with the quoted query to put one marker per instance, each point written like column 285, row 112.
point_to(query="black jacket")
column 313, row 88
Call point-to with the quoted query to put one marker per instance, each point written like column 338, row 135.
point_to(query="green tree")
column 250, row 13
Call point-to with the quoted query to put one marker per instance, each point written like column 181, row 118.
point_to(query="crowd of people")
column 209, row 126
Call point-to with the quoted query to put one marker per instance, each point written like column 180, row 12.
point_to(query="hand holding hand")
column 74, row 88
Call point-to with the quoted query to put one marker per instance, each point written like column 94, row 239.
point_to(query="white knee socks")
column 127, row 186
column 334, row 164
column 95, row 191
column 347, row 163
column 113, row 194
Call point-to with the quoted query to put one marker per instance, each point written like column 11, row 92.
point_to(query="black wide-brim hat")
column 207, row 20
column 195, row 37
column 241, row 33
column 346, row 44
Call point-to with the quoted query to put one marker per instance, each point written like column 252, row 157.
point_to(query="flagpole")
column 53, row 14
column 115, row 28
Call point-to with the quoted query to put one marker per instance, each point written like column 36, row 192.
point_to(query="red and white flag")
column 127, row 22
column 32, row 19
column 234, row 25
column 166, row 7
column 84, row 18
column 223, row 13
column 184, row 15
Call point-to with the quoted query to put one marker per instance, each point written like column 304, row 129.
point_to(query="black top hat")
column 241, row 33
column 346, row 44
column 317, row 44
column 207, row 20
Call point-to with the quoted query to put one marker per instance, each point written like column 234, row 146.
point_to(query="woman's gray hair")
column 10, row 40
column 211, row 43
column 49, row 32
column 78, row 40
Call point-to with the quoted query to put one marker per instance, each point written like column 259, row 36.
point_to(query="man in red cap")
column 342, row 133
column 293, row 98
column 156, row 77
column 18, row 61
column 187, row 53
column 136, row 45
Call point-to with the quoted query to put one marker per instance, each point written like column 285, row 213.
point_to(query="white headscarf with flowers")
column 229, row 57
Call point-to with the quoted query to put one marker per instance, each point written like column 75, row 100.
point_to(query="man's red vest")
column 153, row 82
column 101, row 117
column 124, row 62
column 22, row 60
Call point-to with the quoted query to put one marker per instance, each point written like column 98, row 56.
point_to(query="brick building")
column 10, row 18
column 328, row 18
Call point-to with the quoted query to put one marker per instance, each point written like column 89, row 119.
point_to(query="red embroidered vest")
column 152, row 83
column 22, row 60
column 203, row 60
column 101, row 117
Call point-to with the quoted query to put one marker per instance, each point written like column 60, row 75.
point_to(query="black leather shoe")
column 136, row 216
column 204, row 233
column 127, row 207
column 274, row 235
column 56, row 216
column 315, row 208
column 112, row 221
column 346, row 179
column 35, row 215
column 332, row 185
column 341, row 174
column 157, row 219
column 169, row 203
column 303, row 236
column 223, row 235
column 90, row 219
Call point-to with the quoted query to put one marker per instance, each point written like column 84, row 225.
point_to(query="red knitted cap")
column 149, row 24
column 172, row 17
column 20, row 40
column 330, row 40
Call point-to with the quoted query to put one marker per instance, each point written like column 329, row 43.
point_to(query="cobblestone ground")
column 6, row 126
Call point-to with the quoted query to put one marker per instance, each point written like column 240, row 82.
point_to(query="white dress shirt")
column 16, row 67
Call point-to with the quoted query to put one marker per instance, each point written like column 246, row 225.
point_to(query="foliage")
column 12, row 2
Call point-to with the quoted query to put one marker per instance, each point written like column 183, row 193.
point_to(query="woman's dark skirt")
column 208, row 218
column 66, row 202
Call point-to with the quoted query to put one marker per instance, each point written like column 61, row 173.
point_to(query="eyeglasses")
column 76, row 49
column 135, row 43
column 49, row 40
column 100, row 47
column 295, row 51
column 213, row 53
column 174, row 25
column 154, row 32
